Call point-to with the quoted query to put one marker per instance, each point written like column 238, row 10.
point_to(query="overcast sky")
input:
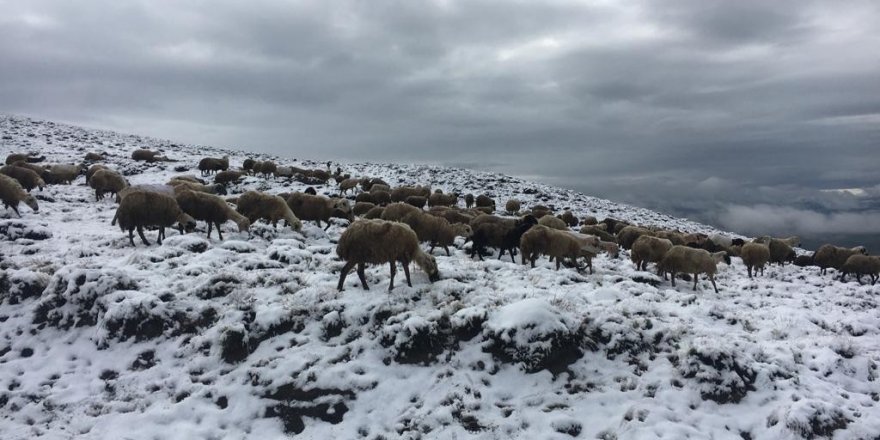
column 734, row 112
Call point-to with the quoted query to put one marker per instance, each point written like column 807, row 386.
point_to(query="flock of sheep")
column 387, row 225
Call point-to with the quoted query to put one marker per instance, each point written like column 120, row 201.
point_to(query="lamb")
column 107, row 181
column 57, row 174
column 210, row 165
column 417, row 201
column 468, row 201
column 395, row 212
column 553, row 222
column 436, row 230
column 146, row 208
column 27, row 178
column 348, row 184
column 440, row 199
column 92, row 170
column 317, row 208
column 512, row 206
column 832, row 256
column 683, row 259
column 755, row 255
column 12, row 193
column 599, row 232
column 228, row 176
column 256, row 205
column 485, row 201
column 378, row 242
column 860, row 265
column 628, row 235
column 361, row 208
column 505, row 234
column 540, row 239
column 569, row 219
column 147, row 156
column 647, row 249
column 780, row 251
column 400, row 193
column 211, row 209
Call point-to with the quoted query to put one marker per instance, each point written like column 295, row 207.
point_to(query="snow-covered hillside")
column 248, row 337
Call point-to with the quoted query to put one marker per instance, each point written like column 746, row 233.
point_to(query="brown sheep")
column 12, row 193
column 381, row 198
column 598, row 231
column 27, row 178
column 210, row 165
column 512, row 206
column 248, row 165
column 94, row 157
column 781, row 252
column 212, row 210
column 440, row 199
column 318, row 208
column 569, row 219
column 92, row 170
column 364, row 197
column 348, row 184
column 833, row 256
column 256, row 205
column 107, row 181
column 502, row 233
column 451, row 214
column 367, row 183
column 541, row 240
column 380, row 187
column 379, row 242
column 860, row 265
column 400, row 193
column 417, row 201
column 647, row 249
column 63, row 174
column 361, row 208
column 41, row 171
column 683, row 259
column 435, row 230
column 468, row 201
column 485, row 201
column 228, row 176
column 147, row 156
column 16, row 157
column 395, row 212
column 146, row 208
column 589, row 220
column 181, row 185
column 755, row 256
column 628, row 235
column 374, row 213
column 553, row 222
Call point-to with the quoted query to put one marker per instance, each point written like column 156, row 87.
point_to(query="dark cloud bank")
column 743, row 114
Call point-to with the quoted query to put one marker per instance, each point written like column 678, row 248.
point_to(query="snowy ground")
column 248, row 338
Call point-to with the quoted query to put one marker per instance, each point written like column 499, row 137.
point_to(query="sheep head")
column 428, row 264
column 220, row 189
column 31, row 202
column 243, row 225
column 185, row 223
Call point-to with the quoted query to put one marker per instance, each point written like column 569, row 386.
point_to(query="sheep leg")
column 671, row 276
column 501, row 253
column 512, row 257
column 712, row 279
column 393, row 265
column 161, row 235
column 15, row 208
column 749, row 270
column 210, row 225
column 696, row 278
column 131, row 236
column 325, row 227
column 558, row 262
column 446, row 248
column 362, row 275
column 406, row 272
column 219, row 234
column 343, row 273
column 140, row 230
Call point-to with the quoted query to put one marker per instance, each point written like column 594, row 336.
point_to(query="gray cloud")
column 676, row 104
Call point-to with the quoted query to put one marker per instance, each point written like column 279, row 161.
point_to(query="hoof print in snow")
column 12, row 230
column 234, row 345
column 296, row 403
column 78, row 297
column 16, row 286
column 217, row 286
column 723, row 374
column 535, row 334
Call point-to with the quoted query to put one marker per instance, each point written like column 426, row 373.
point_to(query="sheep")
column 505, row 234
column 212, row 210
column 417, row 201
column 92, row 170
column 381, row 198
column 317, row 208
column 512, row 206
column 647, row 249
column 436, row 230
column 569, row 219
column 210, row 165
column 320, row 175
column 440, row 199
column 378, row 242
column 540, row 239
column 27, row 178
column 477, row 210
column 41, row 171
column 589, row 220
column 590, row 247
column 57, row 174
column 395, row 212
column 683, row 259
column 553, row 222
column 147, row 208
column 721, row 240
column 256, row 205
column 12, row 193
column 186, row 178
column 364, row 197
column 676, row 238
column 468, row 201
column 180, row 185
column 147, row 156
column 485, row 201
column 348, row 184
column 804, row 260
column 107, row 181
column 628, row 235
column 368, row 183
column 159, row 189
column 248, row 165
column 375, row 213
column 452, row 215
column 859, row 265
column 780, row 251
column 94, row 157
column 376, row 187
column 228, row 176
column 361, row 208
column 599, row 232
column 16, row 157
column 540, row 211
column 611, row 224
column 286, row 172
column 611, row 248
column 793, row 241
column 755, row 255
column 400, row 193
column 832, row 256
column 310, row 191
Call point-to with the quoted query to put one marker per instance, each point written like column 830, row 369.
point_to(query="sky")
column 756, row 116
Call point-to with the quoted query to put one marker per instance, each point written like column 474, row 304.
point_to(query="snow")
column 249, row 338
